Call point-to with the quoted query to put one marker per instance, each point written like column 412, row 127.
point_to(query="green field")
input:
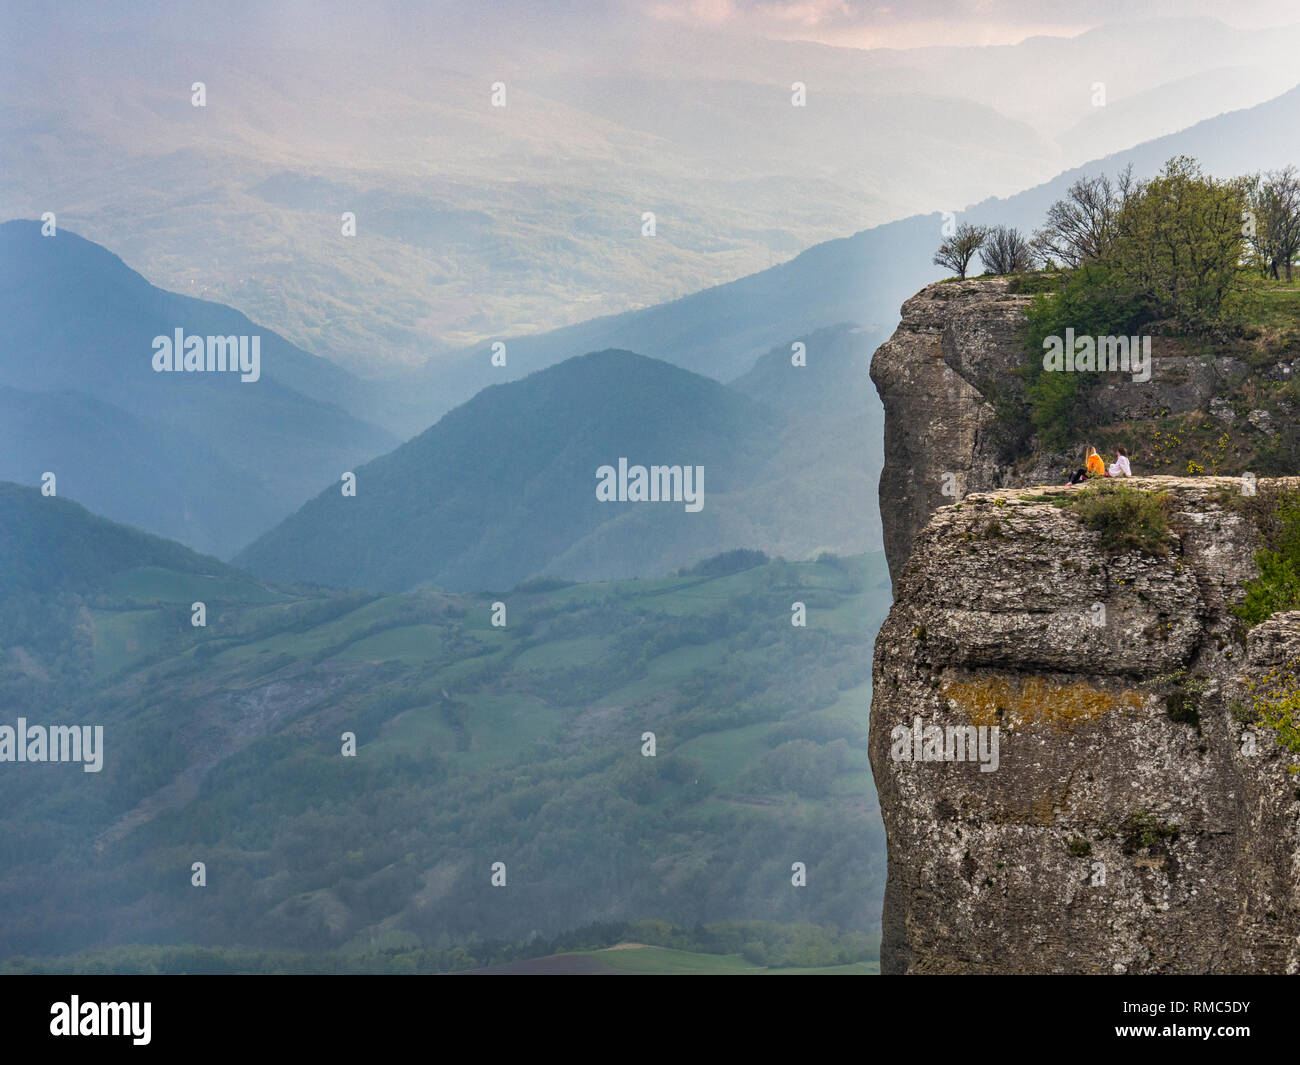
column 619, row 959
column 474, row 744
column 157, row 585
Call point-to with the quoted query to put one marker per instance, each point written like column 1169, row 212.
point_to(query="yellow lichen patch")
column 1034, row 700
column 1044, row 809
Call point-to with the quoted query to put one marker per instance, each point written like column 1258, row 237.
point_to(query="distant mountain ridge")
column 504, row 487
column 505, row 483
column 201, row 457
column 216, row 462
column 863, row 278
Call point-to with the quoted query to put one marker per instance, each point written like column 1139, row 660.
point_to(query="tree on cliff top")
column 1081, row 227
column 1179, row 244
column 957, row 251
column 1273, row 219
column 1168, row 249
column 1006, row 251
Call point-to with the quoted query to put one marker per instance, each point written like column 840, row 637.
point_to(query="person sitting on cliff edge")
column 1120, row 467
column 1096, row 465
column 1081, row 474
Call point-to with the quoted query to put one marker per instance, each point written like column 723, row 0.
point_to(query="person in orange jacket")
column 1096, row 467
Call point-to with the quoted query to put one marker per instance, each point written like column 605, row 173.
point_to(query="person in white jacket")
column 1120, row 467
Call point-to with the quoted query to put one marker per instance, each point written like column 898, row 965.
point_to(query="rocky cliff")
column 955, row 411
column 1139, row 817
column 1082, row 755
column 956, row 343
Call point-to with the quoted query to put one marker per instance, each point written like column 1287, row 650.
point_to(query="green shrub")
column 1125, row 518
column 1278, row 585
column 1092, row 302
column 1183, row 705
column 1276, row 699
column 1276, row 588
column 1054, row 406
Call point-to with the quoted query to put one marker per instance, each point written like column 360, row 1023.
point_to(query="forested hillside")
column 520, row 743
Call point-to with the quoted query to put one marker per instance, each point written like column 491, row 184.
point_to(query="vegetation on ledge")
column 1125, row 518
column 1203, row 267
column 1276, row 513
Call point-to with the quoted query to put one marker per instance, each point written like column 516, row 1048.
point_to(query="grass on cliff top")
column 1272, row 306
column 1033, row 282
column 1124, row 518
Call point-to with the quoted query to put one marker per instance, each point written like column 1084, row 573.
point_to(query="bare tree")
column 1006, row 251
column 1082, row 226
column 957, row 251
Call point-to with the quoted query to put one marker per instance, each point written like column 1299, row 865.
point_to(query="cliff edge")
column 1131, row 812
column 958, row 420
column 956, row 343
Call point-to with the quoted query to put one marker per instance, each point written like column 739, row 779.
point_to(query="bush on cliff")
column 1090, row 301
column 1125, row 518
column 1165, row 250
column 1276, row 699
column 1179, row 245
column 1277, row 587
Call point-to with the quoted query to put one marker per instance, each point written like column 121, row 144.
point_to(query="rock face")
column 956, row 344
column 955, row 356
column 1141, row 816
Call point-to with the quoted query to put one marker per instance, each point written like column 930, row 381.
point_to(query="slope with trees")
column 475, row 743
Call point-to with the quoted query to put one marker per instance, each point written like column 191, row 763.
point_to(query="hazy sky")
column 847, row 23
column 917, row 23
column 483, row 222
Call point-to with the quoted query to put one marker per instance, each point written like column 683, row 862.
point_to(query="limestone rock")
column 1139, row 819
column 956, row 340
column 957, row 351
